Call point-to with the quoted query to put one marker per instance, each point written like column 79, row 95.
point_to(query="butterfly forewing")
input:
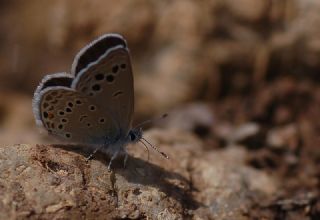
column 94, row 50
column 109, row 83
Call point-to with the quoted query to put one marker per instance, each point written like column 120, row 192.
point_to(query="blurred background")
column 254, row 60
column 232, row 72
column 217, row 64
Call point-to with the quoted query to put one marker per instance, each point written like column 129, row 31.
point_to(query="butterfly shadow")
column 144, row 172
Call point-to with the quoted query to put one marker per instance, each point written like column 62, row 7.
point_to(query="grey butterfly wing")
column 108, row 81
column 69, row 114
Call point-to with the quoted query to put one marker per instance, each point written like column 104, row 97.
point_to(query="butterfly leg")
column 112, row 158
column 125, row 160
column 93, row 153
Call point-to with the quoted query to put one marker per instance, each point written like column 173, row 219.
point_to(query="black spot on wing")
column 58, row 81
column 96, row 50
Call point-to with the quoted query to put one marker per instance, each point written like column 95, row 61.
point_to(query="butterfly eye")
column 123, row 66
column 132, row 136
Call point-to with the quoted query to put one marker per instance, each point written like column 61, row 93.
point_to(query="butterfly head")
column 135, row 135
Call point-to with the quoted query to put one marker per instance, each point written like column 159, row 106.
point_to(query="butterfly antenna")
column 156, row 149
column 151, row 120
column 146, row 148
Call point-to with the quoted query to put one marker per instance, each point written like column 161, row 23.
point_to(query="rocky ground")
column 239, row 79
column 46, row 182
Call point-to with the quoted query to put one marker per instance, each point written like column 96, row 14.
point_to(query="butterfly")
column 94, row 104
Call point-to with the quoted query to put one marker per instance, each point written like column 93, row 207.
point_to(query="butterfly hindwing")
column 72, row 116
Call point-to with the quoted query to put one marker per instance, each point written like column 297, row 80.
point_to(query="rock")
column 42, row 181
column 228, row 185
column 237, row 134
column 299, row 36
column 193, row 117
column 249, row 10
column 286, row 136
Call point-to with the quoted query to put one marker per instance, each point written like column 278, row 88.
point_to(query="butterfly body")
column 119, row 144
